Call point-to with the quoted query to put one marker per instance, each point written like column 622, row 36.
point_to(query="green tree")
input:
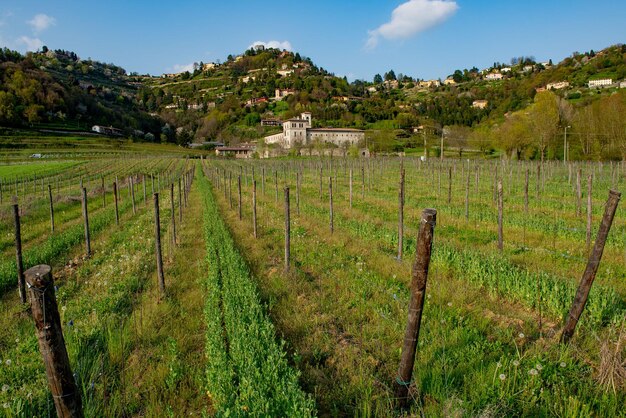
column 378, row 79
column 544, row 120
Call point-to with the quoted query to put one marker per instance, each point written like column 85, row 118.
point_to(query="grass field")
column 236, row 334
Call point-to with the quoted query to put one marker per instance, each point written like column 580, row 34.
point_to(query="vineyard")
column 282, row 287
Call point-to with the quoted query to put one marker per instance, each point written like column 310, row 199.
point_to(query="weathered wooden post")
column 578, row 192
column 500, row 209
column 18, row 254
column 350, row 188
column 419, row 277
column 230, row 189
column 401, row 214
column 298, row 193
column 51, row 208
column 320, row 182
column 86, row 219
column 330, row 200
column 592, row 267
column 287, row 230
column 239, row 208
column 467, row 192
column 173, row 214
column 449, row 185
column 180, row 202
column 362, row 183
column 45, row 313
column 157, row 242
column 526, row 191
column 276, row 184
column 589, row 209
column 131, row 186
column 117, row 213
column 254, row 227
column 143, row 181
column 104, row 199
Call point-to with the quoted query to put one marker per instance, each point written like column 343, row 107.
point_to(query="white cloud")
column 273, row 44
column 41, row 22
column 181, row 68
column 32, row 44
column 412, row 17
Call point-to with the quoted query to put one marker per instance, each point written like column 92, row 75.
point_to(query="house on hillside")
column 604, row 82
column 280, row 94
column 300, row 130
column 242, row 151
column 107, row 130
column 558, row 85
column 271, row 122
column 493, row 76
column 480, row 104
column 449, row 81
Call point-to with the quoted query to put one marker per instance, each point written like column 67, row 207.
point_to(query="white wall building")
column 300, row 131
column 558, row 85
column 600, row 83
column 493, row 76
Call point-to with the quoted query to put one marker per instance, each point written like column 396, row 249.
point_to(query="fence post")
column 330, row 200
column 526, row 191
column 51, row 208
column 419, row 276
column 578, row 192
column 157, row 241
column 45, row 313
column 276, row 184
column 287, row 230
column 449, row 185
column 401, row 214
column 18, row 254
column 173, row 214
column 254, row 228
column 350, row 188
column 298, row 193
column 589, row 209
column 239, row 209
column 131, row 185
column 143, row 181
column 86, row 219
column 104, row 200
column 180, row 201
column 592, row 267
column 500, row 209
column 467, row 191
column 117, row 213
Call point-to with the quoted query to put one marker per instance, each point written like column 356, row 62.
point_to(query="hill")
column 57, row 90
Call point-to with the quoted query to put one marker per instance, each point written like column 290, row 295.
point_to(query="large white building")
column 600, row 83
column 299, row 131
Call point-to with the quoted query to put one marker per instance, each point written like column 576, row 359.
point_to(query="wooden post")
column 298, row 193
column 401, row 214
column 467, row 193
column 578, row 192
column 157, row 241
column 276, row 184
column 180, row 202
column 419, row 277
column 239, row 194
column 45, row 313
column 589, row 209
column 173, row 214
column 263, row 181
column 449, row 185
column 254, row 228
column 131, row 185
column 320, row 182
column 230, row 189
column 362, row 183
column 117, row 213
column 330, row 199
column 51, row 208
column 104, row 200
column 592, row 267
column 143, row 181
column 18, row 254
column 350, row 188
column 526, row 191
column 287, row 230
column 500, row 209
column 86, row 219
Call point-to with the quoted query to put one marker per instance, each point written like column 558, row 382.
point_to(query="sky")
column 424, row 39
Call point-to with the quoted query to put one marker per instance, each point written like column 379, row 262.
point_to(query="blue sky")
column 422, row 38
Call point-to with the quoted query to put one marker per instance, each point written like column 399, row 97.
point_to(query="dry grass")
column 611, row 372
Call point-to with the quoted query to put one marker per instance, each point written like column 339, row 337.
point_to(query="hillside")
column 58, row 90
column 487, row 110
